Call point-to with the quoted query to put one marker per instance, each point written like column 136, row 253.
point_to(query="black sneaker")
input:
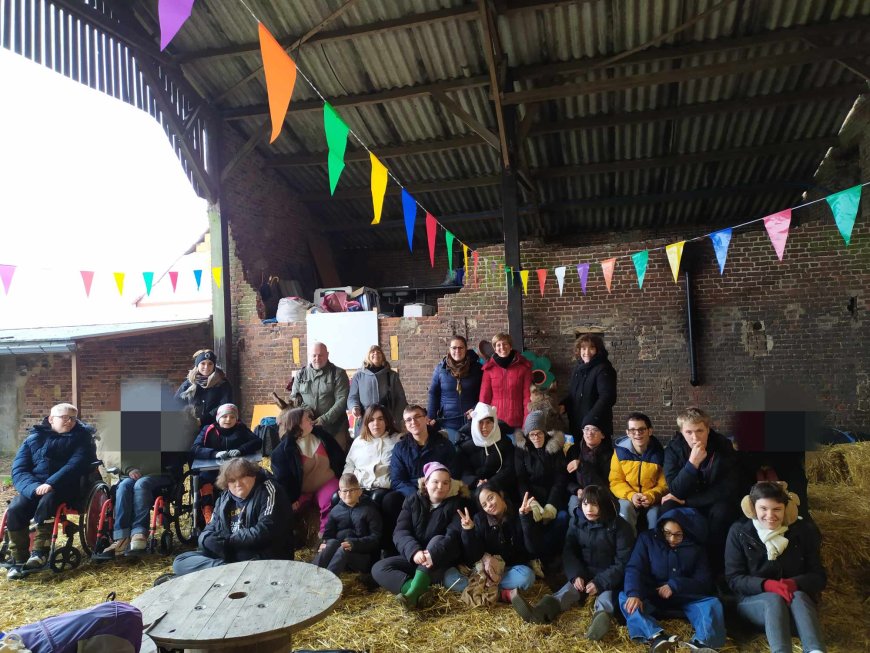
column 163, row 578
column 698, row 647
column 663, row 643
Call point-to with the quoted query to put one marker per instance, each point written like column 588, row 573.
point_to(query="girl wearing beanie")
column 206, row 387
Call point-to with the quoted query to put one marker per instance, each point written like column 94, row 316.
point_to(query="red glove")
column 790, row 585
column 778, row 587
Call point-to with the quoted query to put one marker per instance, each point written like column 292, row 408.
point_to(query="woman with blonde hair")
column 375, row 383
column 507, row 379
column 206, row 387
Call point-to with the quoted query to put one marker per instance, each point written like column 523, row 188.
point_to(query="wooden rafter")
column 470, row 121
column 491, row 44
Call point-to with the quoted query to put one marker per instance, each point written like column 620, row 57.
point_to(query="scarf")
column 773, row 539
column 481, row 411
column 201, row 380
column 507, row 360
column 308, row 444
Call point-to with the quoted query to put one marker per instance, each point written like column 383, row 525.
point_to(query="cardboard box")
column 418, row 310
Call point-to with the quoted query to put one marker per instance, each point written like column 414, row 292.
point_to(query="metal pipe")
column 693, row 363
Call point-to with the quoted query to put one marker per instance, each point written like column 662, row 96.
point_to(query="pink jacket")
column 508, row 389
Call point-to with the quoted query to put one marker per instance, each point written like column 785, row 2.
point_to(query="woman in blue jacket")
column 668, row 573
column 455, row 387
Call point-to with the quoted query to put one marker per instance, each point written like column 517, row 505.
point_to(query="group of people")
column 479, row 494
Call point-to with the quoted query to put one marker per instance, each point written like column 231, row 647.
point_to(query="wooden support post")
column 511, row 225
column 75, row 399
column 218, row 222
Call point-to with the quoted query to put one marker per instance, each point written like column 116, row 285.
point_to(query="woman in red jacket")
column 507, row 379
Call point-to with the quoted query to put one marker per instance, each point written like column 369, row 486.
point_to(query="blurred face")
column 695, row 433
column 228, row 420
column 306, row 424
column 639, row 433
column 590, row 511
column 502, row 348
column 415, row 422
column 319, row 356
column 770, row 513
column 587, row 351
column 350, row 495
column 492, row 503
column 486, row 425
column 537, row 438
column 377, row 424
column 242, row 486
column 438, row 486
column 376, row 358
column 673, row 533
column 205, row 368
column 457, row 350
column 62, row 423
column 592, row 436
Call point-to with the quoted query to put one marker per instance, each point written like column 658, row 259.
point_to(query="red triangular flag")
column 88, row 279
column 542, row 279
column 431, row 226
column 607, row 268
column 777, row 225
column 280, row 74
column 173, row 277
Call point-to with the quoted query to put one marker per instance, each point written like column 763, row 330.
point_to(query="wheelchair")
column 63, row 554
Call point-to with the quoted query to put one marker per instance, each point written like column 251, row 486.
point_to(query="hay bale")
column 841, row 464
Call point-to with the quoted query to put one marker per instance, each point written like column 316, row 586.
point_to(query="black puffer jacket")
column 287, row 462
column 264, row 528
column 598, row 551
column 360, row 525
column 594, row 467
column 747, row 566
column 517, row 538
column 715, row 481
column 61, row 460
column 213, row 439
column 494, row 463
column 592, row 391
column 418, row 523
column 541, row 472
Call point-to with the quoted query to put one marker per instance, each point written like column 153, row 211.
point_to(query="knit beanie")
column 592, row 420
column 535, row 422
column 431, row 468
column 224, row 409
column 204, row 355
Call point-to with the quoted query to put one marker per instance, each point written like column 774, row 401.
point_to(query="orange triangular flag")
column 607, row 268
column 280, row 74
column 542, row 279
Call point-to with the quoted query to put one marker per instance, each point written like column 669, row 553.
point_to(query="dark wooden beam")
column 491, row 44
column 685, row 74
column 415, row 189
column 386, row 152
column 470, row 121
column 257, row 137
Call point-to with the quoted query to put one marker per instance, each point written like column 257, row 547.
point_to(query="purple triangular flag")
column 409, row 208
column 583, row 273
column 172, row 14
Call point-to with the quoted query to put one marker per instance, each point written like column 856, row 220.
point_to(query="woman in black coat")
column 206, row 387
column 588, row 462
column 773, row 564
column 251, row 521
column 426, row 536
column 484, row 453
column 592, row 390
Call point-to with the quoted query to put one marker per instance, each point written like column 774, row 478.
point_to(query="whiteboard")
column 347, row 336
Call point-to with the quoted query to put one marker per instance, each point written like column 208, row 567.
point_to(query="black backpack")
column 267, row 431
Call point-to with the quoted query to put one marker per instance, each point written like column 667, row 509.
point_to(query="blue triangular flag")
column 721, row 239
column 197, row 274
column 409, row 208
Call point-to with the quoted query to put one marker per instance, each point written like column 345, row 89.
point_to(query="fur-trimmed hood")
column 553, row 444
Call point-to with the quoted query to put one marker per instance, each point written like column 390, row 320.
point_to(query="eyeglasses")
column 634, row 431
column 670, row 535
column 410, row 420
column 65, row 418
column 350, row 490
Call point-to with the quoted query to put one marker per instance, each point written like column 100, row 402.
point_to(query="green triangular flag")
column 448, row 238
column 336, row 141
column 844, row 206
column 640, row 261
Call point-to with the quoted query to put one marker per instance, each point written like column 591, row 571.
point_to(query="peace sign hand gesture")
column 525, row 507
column 465, row 519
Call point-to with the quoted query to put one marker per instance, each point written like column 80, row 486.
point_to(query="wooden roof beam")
column 415, row 189
column 468, row 120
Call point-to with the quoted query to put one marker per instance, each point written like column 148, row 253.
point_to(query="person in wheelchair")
column 47, row 471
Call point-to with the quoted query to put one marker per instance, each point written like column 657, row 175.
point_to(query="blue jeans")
column 191, row 561
column 771, row 612
column 133, row 501
column 518, row 577
column 568, row 596
column 706, row 616
column 629, row 513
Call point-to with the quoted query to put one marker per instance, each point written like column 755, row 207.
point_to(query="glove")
column 215, row 546
column 549, row 513
column 537, row 511
column 778, row 587
column 790, row 585
column 233, row 453
column 222, row 455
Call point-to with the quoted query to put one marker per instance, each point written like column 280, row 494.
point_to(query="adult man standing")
column 323, row 387
column 46, row 472
column 701, row 471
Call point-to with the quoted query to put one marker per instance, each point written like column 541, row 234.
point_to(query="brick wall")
column 102, row 365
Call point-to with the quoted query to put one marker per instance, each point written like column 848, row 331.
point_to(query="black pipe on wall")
column 693, row 362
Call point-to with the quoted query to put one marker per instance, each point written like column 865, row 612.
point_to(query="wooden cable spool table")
column 243, row 606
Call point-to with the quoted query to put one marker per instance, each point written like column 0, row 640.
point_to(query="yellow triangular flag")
column 379, row 187
column 216, row 273
column 524, row 276
column 465, row 256
column 119, row 281
column 675, row 253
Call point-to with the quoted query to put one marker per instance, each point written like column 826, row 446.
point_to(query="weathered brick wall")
column 102, row 366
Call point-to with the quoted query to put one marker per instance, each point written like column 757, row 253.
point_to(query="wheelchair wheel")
column 64, row 559
column 89, row 520
column 187, row 525
column 165, row 546
column 5, row 555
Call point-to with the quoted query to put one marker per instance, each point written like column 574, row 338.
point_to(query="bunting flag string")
column 641, row 260
column 560, row 278
column 119, row 281
column 409, row 208
column 148, row 278
column 675, row 254
column 542, row 279
column 583, row 273
column 524, row 277
column 87, row 279
column 197, row 275
column 280, row 71
column 216, row 275
column 6, row 274
column 431, row 225
column 173, row 278
column 721, row 239
column 607, row 267
column 172, row 14
column 448, row 239
column 844, row 206
column 777, row 225
column 336, row 142
column 379, row 187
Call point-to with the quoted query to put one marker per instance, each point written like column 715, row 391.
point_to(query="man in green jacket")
column 323, row 387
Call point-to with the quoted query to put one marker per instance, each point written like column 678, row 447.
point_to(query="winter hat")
column 431, row 468
column 535, row 422
column 224, row 409
column 483, row 411
column 592, row 420
column 204, row 355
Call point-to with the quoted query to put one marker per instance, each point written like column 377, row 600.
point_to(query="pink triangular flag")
column 173, row 278
column 542, row 279
column 777, row 225
column 88, row 279
column 607, row 268
column 431, row 225
column 6, row 273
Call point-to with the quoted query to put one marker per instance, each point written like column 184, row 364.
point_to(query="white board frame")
column 347, row 336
